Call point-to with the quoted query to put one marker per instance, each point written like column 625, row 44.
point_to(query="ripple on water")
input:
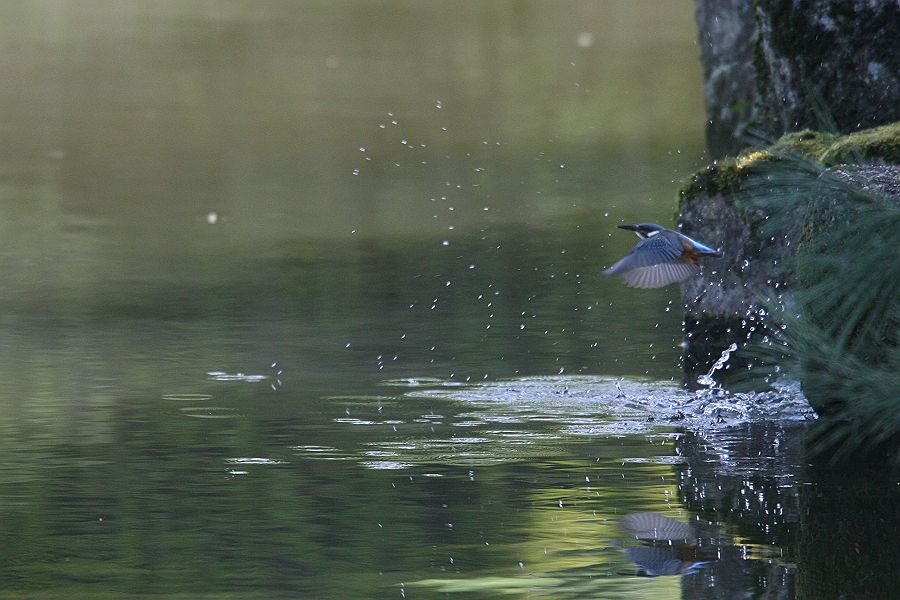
column 396, row 445
column 380, row 453
column 657, row 460
column 208, row 412
column 321, row 452
column 415, row 382
column 254, row 460
column 352, row 421
column 474, row 423
column 223, row 376
column 531, row 435
column 187, row 397
column 366, row 399
column 385, row 465
column 523, row 438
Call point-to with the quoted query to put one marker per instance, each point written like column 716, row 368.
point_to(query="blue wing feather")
column 648, row 252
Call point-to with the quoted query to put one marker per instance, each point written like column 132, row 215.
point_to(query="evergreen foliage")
column 843, row 344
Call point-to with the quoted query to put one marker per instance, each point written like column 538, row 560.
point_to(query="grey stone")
column 776, row 66
column 840, row 58
column 723, row 305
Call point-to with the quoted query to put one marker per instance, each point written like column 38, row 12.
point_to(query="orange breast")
column 688, row 253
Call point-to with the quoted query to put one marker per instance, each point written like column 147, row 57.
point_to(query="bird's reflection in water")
column 669, row 547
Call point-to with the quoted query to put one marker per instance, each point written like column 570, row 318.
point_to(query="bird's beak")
column 629, row 227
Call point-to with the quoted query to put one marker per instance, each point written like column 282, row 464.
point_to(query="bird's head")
column 644, row 230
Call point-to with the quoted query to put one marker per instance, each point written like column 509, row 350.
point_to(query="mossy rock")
column 725, row 176
column 719, row 206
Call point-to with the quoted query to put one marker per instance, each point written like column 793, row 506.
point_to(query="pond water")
column 303, row 300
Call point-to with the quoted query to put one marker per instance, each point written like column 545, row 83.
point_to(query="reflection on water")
column 296, row 296
column 669, row 547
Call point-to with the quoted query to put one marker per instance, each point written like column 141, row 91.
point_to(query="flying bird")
column 661, row 257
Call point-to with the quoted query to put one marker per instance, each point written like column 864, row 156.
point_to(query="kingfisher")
column 661, row 257
column 668, row 547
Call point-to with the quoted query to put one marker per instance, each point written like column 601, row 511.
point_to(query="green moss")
column 721, row 177
column 807, row 142
column 725, row 176
column 878, row 143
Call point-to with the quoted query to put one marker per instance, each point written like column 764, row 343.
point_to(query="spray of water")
column 708, row 380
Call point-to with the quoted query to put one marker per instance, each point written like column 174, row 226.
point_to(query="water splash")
column 511, row 420
column 604, row 405
column 708, row 380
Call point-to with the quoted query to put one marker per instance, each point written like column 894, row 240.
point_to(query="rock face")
column 778, row 66
column 810, row 225
column 847, row 51
column 723, row 306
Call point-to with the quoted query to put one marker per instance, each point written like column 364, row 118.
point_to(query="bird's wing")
column 660, row 275
column 654, row 526
column 655, row 561
column 647, row 253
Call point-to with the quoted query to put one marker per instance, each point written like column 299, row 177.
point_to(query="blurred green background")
column 356, row 156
